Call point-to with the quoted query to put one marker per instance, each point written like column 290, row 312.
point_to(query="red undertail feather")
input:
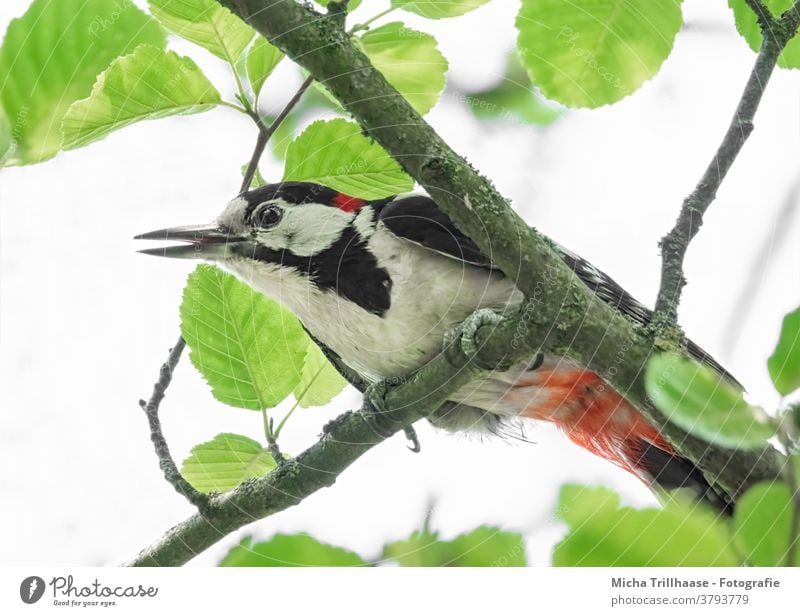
column 593, row 415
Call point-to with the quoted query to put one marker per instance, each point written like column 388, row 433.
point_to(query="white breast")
column 430, row 293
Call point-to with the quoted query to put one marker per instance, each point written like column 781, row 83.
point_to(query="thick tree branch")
column 777, row 32
column 560, row 315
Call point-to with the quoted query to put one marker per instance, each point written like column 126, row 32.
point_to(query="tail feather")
column 596, row 417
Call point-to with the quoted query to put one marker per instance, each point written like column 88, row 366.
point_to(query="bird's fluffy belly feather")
column 426, row 300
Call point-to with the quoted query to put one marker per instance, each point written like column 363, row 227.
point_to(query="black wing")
column 607, row 289
column 416, row 218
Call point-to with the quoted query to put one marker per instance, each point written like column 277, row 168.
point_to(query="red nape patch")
column 346, row 203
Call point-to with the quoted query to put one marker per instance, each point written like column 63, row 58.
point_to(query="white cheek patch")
column 306, row 229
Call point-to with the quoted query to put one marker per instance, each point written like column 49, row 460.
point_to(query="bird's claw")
column 375, row 415
column 467, row 333
column 537, row 361
column 375, row 411
column 411, row 435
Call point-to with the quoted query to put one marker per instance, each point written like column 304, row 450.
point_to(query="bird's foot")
column 467, row 333
column 375, row 409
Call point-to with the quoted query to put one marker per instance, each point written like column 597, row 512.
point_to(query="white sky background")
column 85, row 322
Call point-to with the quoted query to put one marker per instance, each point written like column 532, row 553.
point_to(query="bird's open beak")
column 204, row 241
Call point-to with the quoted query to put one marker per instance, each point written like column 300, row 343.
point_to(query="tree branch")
column 165, row 461
column 777, row 32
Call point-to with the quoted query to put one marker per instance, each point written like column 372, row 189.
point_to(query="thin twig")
column 265, row 132
column 165, row 461
column 272, row 442
column 777, row 33
column 763, row 14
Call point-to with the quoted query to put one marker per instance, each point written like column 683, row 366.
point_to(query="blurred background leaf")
column 784, row 363
column 703, row 402
column 602, row 533
column 485, row 546
column 763, row 520
column 289, row 551
column 513, row 99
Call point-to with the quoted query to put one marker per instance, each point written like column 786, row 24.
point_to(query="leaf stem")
column 238, row 108
column 297, row 400
column 365, row 25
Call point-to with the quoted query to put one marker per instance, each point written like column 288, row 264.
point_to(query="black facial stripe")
column 346, row 268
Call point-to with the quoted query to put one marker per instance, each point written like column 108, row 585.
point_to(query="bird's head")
column 286, row 239
column 274, row 223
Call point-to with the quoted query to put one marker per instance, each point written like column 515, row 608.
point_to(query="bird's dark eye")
column 268, row 216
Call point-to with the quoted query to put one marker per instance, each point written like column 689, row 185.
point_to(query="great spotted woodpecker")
column 380, row 282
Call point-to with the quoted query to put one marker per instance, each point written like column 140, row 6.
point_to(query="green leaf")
column 513, row 99
column 320, row 382
column 589, row 53
column 763, row 520
column 704, row 403
column 290, row 551
column 262, row 58
column 50, row 58
column 409, row 60
column 601, row 533
column 206, row 23
column 747, row 25
column 248, row 348
column 784, row 364
column 224, row 462
column 438, row 9
column 485, row 546
column 335, row 153
column 148, row 84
